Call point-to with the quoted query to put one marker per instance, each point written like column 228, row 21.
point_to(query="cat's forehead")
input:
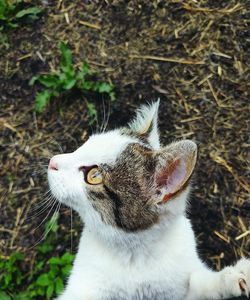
column 105, row 147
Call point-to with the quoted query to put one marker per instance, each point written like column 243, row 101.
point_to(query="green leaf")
column 54, row 261
column 87, row 85
column 11, row 13
column 105, row 88
column 19, row 277
column 39, row 265
column 112, row 96
column 67, row 258
column 4, row 296
column 15, row 257
column 28, row 11
column 3, row 8
column 42, row 99
column 84, row 70
column 33, row 80
column 69, row 84
column 43, row 280
column 50, row 290
column 22, row 296
column 7, row 278
column 66, row 270
column 92, row 112
column 45, row 248
column 66, row 57
column 66, row 79
column 40, row 291
column 59, row 285
column 50, row 81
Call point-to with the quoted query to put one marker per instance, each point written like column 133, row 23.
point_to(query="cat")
column 137, row 243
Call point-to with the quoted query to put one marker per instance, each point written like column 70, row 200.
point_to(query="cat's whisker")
column 39, row 170
column 38, row 173
column 40, row 162
column 32, row 213
column 37, row 210
column 41, row 210
column 53, row 220
column 108, row 116
column 58, row 145
column 97, row 125
column 45, row 218
column 41, row 207
column 47, row 192
column 41, row 203
column 104, row 115
column 71, row 226
column 40, row 166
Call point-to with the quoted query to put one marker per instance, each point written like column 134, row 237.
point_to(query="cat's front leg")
column 231, row 281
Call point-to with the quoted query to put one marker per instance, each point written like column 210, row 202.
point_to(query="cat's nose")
column 53, row 165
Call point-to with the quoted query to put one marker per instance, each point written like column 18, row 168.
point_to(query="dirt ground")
column 193, row 55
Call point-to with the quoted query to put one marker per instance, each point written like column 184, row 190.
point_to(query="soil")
column 192, row 55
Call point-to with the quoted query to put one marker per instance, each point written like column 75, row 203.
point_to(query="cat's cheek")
column 57, row 186
column 67, row 188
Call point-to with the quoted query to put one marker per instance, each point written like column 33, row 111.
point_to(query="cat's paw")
column 243, row 267
column 236, row 279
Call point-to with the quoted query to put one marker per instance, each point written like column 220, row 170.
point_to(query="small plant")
column 51, row 282
column 12, row 13
column 46, row 280
column 68, row 78
column 10, row 275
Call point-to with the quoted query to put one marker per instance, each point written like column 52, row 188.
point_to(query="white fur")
column 67, row 183
column 157, row 263
column 145, row 116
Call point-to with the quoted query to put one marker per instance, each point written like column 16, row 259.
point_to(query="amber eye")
column 93, row 176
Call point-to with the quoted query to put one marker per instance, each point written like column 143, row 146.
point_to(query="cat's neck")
column 132, row 244
column 129, row 247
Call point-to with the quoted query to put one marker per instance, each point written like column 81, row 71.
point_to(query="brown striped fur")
column 123, row 198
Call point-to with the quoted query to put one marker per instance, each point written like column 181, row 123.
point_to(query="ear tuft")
column 145, row 123
column 176, row 164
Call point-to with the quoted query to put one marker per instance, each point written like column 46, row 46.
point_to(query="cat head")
column 123, row 178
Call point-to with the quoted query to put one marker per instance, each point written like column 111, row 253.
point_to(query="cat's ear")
column 174, row 167
column 145, row 123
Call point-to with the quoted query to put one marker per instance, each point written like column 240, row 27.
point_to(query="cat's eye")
column 92, row 175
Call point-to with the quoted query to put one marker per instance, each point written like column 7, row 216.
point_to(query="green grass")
column 47, row 278
column 68, row 78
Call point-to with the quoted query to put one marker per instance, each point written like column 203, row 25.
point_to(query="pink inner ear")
column 163, row 177
column 177, row 178
column 172, row 177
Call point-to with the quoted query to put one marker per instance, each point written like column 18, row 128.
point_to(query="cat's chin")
column 69, row 202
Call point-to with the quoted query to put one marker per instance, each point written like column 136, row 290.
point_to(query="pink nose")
column 53, row 165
